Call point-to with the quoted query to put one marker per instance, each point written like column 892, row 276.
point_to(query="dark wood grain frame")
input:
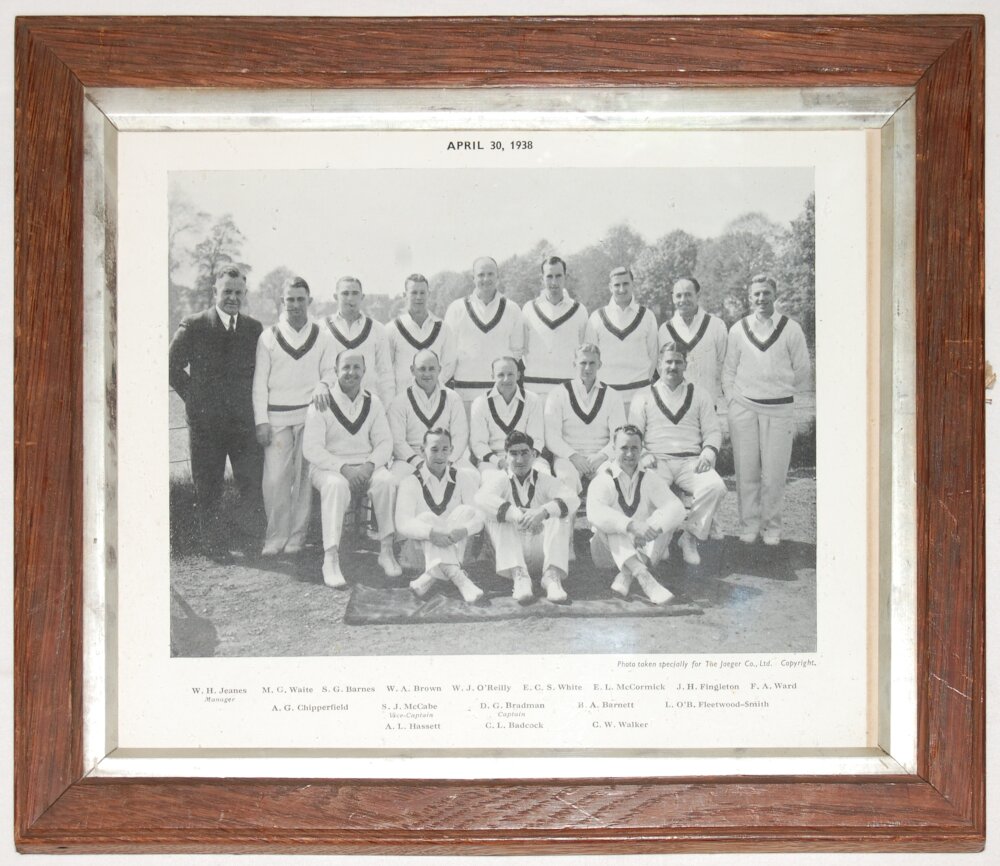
column 941, row 807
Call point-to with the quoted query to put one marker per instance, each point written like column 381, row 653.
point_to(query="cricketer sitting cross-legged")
column 436, row 508
column 633, row 514
column 529, row 518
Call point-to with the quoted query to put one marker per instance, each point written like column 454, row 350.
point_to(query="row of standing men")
column 480, row 349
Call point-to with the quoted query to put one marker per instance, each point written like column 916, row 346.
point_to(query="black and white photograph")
column 503, row 410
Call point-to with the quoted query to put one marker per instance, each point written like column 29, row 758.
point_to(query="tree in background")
column 222, row 246
column 446, row 286
column 797, row 271
column 265, row 301
column 186, row 224
column 659, row 266
column 725, row 265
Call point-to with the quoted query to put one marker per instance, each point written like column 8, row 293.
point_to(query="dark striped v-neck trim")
column 505, row 426
column 770, row 341
column 303, row 350
column 695, row 340
column 555, row 323
column 439, row 507
column 629, row 508
column 354, row 426
column 586, row 417
column 674, row 419
column 357, row 341
column 427, row 422
column 486, row 327
column 419, row 345
column 627, row 331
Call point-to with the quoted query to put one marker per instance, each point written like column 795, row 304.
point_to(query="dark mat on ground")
column 370, row 606
column 377, row 599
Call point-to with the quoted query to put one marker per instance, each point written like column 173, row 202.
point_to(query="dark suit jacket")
column 212, row 370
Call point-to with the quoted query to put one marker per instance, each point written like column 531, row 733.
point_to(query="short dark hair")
column 619, row 271
column 516, row 437
column 554, row 260
column 437, row 431
column 296, row 283
column 672, row 347
column 628, row 430
column 692, row 281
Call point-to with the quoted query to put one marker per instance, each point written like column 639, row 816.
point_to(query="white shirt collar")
column 343, row 399
column 418, row 392
column 677, row 320
column 500, row 401
column 225, row 317
column 291, row 333
column 412, row 325
column 480, row 306
column 582, row 394
column 667, row 392
column 564, row 301
column 430, row 479
column 626, row 315
column 345, row 326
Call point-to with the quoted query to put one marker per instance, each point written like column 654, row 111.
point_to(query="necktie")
column 232, row 324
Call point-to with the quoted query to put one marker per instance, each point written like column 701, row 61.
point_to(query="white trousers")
column 286, row 490
column 536, row 553
column 453, row 554
column 614, row 550
column 567, row 472
column 762, row 452
column 705, row 488
column 335, row 497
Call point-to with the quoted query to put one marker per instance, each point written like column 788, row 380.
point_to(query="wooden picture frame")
column 940, row 807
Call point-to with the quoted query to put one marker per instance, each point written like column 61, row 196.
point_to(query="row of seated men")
column 297, row 363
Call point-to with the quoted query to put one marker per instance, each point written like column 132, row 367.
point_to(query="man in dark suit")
column 211, row 367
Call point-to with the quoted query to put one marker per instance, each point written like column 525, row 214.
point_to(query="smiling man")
column 353, row 330
column 767, row 362
column 633, row 515
column 485, row 325
column 700, row 335
column 425, row 405
column 554, row 325
column 625, row 332
column 682, row 436
column 435, row 508
column 415, row 330
column 348, row 446
column 529, row 518
column 211, row 367
column 292, row 356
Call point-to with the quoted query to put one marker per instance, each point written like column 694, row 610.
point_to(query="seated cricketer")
column 633, row 515
column 498, row 413
column 581, row 416
column 422, row 406
column 435, row 507
column 529, row 518
column 348, row 445
column 682, row 436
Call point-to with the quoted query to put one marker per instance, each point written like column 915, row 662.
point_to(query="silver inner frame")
column 889, row 110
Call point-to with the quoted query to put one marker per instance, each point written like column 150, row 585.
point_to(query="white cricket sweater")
column 505, row 499
column 679, row 422
column 491, row 418
column 288, row 368
column 705, row 343
column 406, row 338
column 552, row 334
column 412, row 413
column 369, row 338
column 615, row 499
column 578, row 422
column 627, row 340
column 482, row 334
column 422, row 492
column 354, row 431
column 764, row 370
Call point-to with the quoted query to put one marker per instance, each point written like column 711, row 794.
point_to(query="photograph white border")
column 871, row 108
